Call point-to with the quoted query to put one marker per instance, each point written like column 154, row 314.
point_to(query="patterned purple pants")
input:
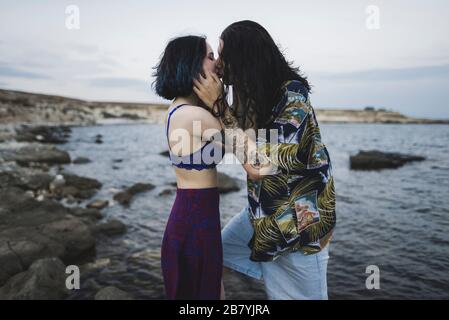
column 191, row 253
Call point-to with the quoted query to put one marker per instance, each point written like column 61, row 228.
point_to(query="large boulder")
column 376, row 160
column 44, row 280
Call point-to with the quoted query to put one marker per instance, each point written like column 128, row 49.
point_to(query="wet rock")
column 44, row 280
column 98, row 204
column 226, row 183
column 92, row 214
column 110, row 228
column 42, row 154
column 98, row 138
column 164, row 153
column 79, row 187
column 81, row 160
column 31, row 230
column 124, row 197
column 140, row 187
column 376, row 160
column 25, row 180
column 43, row 134
column 112, row 293
column 167, row 192
column 38, row 181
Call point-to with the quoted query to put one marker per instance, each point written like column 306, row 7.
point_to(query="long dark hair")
column 257, row 69
column 181, row 62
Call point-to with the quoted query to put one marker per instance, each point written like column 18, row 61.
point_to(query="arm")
column 255, row 163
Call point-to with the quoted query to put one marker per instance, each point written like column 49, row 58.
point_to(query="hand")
column 208, row 88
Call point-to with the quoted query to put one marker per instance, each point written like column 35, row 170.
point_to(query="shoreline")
column 17, row 107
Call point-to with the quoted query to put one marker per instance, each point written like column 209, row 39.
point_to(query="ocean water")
column 395, row 219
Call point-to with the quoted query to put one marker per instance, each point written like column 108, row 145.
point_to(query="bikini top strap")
column 168, row 120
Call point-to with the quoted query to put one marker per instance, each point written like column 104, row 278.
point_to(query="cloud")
column 116, row 82
column 11, row 71
column 403, row 74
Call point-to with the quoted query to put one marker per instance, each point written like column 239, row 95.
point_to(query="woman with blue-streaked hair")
column 191, row 253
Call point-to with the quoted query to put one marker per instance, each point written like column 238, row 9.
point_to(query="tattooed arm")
column 237, row 141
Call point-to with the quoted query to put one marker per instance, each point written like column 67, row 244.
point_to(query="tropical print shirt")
column 303, row 178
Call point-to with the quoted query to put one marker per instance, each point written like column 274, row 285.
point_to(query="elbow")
column 255, row 176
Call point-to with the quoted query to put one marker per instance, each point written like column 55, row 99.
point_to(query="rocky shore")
column 42, row 227
column 24, row 107
column 47, row 218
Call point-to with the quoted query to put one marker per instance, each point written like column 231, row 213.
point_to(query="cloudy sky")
column 392, row 54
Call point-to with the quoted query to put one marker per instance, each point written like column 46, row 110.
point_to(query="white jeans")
column 295, row 276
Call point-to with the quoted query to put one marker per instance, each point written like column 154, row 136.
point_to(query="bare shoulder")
column 195, row 113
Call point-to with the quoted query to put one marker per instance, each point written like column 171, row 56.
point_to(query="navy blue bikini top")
column 194, row 160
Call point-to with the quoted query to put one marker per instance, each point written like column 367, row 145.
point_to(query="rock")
column 43, row 134
column 108, row 115
column 226, row 183
column 90, row 213
column 44, row 280
column 140, row 187
column 98, row 138
column 31, row 230
column 79, row 187
column 25, row 180
column 98, row 204
column 131, row 116
column 110, row 228
column 43, row 154
column 376, row 160
column 38, row 181
column 124, row 197
column 112, row 293
column 167, row 192
column 81, row 160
